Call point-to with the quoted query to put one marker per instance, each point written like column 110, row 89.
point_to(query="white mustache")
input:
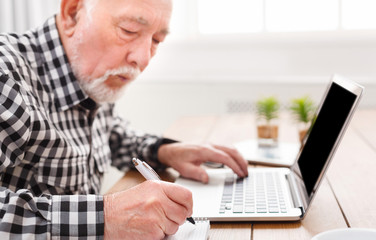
column 100, row 92
column 130, row 72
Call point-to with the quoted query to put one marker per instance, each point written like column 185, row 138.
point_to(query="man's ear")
column 69, row 11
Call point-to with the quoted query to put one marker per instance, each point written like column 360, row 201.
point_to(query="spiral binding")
column 200, row 219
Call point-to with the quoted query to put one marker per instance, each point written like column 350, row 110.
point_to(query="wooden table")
column 346, row 198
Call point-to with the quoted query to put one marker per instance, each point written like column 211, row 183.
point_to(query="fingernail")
column 203, row 178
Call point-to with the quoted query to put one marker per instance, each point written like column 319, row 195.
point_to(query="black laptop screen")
column 324, row 132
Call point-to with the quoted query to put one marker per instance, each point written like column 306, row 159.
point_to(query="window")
column 235, row 16
column 205, row 17
column 301, row 15
column 358, row 14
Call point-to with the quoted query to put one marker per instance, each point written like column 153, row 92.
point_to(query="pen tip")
column 190, row 219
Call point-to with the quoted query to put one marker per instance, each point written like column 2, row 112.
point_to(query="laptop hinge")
column 297, row 201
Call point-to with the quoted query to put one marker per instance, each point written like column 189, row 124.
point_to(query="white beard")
column 98, row 90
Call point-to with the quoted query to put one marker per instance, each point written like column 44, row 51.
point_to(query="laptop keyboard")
column 260, row 192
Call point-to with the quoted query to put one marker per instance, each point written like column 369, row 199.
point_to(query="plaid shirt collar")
column 65, row 87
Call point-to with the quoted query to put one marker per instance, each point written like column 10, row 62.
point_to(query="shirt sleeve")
column 77, row 216
column 50, row 217
column 22, row 214
column 126, row 143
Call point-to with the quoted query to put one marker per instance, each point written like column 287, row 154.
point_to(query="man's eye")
column 128, row 31
column 156, row 41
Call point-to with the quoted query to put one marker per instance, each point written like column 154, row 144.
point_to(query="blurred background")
column 222, row 55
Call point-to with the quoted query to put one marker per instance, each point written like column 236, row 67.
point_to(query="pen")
column 150, row 174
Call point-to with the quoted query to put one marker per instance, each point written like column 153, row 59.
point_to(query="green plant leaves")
column 302, row 109
column 268, row 108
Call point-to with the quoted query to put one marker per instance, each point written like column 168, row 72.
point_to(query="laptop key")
column 228, row 206
column 237, row 209
column 249, row 210
column 261, row 210
column 273, row 210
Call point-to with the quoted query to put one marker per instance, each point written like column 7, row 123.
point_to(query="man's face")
column 115, row 41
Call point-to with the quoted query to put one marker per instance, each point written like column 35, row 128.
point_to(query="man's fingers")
column 236, row 156
column 195, row 172
column 169, row 227
column 175, row 212
column 179, row 195
column 217, row 155
column 175, row 215
column 177, row 207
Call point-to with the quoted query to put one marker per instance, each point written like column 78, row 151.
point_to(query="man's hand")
column 187, row 158
column 150, row 210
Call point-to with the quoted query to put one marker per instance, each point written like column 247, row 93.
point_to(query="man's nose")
column 139, row 54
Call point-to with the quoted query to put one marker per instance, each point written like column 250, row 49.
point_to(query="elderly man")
column 59, row 131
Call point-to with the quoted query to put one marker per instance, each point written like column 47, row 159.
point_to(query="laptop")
column 280, row 194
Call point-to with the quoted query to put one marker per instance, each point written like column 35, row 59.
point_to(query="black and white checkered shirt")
column 56, row 143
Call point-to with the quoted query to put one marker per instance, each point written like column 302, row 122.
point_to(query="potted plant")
column 303, row 110
column 267, row 110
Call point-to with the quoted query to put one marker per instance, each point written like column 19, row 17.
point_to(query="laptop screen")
column 326, row 128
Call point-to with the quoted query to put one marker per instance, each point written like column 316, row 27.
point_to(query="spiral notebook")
column 188, row 231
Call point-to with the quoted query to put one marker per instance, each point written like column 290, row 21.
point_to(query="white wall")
column 282, row 56
column 202, row 76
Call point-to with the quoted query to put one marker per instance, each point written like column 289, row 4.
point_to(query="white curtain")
column 21, row 15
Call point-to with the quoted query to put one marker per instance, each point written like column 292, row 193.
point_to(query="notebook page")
column 188, row 231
